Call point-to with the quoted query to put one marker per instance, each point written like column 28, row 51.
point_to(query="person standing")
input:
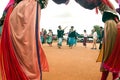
column 21, row 55
column 110, row 52
column 94, row 39
column 85, row 38
column 60, row 33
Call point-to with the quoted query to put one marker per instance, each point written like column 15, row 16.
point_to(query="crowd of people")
column 72, row 37
column 48, row 37
column 109, row 40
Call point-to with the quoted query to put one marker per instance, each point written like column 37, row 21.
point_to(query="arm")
column 65, row 27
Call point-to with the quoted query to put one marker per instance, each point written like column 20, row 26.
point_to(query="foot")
column 92, row 48
column 59, row 47
column 95, row 48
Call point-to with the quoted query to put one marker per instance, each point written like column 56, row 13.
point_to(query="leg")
column 104, row 75
column 115, row 75
column 93, row 44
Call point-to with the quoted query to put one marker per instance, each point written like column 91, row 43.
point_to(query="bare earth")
column 78, row 63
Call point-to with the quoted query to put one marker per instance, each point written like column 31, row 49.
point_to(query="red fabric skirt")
column 10, row 67
column 113, row 62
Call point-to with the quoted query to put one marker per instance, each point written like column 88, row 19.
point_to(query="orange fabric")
column 100, row 56
column 10, row 67
column 44, row 63
column 22, row 21
column 21, row 38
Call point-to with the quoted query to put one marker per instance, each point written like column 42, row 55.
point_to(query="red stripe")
column 11, row 65
column 107, row 2
column 113, row 62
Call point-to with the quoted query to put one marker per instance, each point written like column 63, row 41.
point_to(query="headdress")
column 107, row 15
column 108, row 11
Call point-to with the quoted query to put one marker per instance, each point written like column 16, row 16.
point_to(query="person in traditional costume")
column 111, row 43
column 72, row 37
column 50, row 38
column 60, row 33
column 21, row 54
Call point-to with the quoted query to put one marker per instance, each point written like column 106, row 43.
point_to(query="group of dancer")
column 48, row 37
column 71, row 39
column 21, row 53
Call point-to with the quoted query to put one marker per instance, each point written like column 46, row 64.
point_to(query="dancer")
column 72, row 36
column 49, row 37
column 60, row 34
column 21, row 54
column 110, row 51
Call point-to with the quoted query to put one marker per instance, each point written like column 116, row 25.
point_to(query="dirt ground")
column 78, row 63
